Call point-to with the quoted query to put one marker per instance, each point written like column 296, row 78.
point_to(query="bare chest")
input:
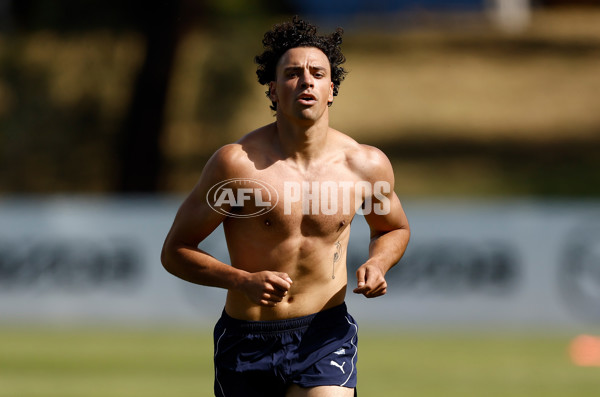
column 319, row 204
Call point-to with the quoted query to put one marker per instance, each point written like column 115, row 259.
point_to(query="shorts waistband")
column 336, row 313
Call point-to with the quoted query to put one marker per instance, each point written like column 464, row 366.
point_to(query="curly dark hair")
column 299, row 33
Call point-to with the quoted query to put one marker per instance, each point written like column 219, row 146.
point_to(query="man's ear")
column 330, row 99
column 273, row 91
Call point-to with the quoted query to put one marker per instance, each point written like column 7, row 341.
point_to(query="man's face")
column 303, row 86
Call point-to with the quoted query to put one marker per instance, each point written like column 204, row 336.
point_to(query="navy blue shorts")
column 263, row 358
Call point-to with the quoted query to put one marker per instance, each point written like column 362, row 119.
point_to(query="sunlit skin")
column 290, row 265
column 302, row 71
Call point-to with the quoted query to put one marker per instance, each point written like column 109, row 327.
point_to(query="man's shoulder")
column 367, row 160
column 229, row 155
column 360, row 153
column 228, row 160
column 373, row 155
column 243, row 153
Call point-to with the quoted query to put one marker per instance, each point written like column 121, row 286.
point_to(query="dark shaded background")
column 92, row 94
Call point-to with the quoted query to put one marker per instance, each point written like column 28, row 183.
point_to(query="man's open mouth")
column 307, row 98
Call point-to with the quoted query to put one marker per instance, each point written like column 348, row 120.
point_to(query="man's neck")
column 302, row 143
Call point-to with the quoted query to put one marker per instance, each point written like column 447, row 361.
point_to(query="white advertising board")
column 491, row 264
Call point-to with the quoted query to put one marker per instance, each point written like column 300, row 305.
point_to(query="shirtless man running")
column 285, row 330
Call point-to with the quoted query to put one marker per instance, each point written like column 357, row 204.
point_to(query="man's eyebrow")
column 298, row 67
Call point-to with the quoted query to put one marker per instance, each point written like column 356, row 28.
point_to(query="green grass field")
column 126, row 363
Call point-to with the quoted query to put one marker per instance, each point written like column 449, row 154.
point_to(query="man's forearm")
column 198, row 267
column 386, row 249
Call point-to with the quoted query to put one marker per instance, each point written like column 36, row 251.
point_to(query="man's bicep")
column 195, row 219
column 390, row 217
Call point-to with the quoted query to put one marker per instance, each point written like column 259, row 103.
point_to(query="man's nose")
column 307, row 80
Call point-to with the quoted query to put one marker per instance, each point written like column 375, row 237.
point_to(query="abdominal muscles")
column 316, row 266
